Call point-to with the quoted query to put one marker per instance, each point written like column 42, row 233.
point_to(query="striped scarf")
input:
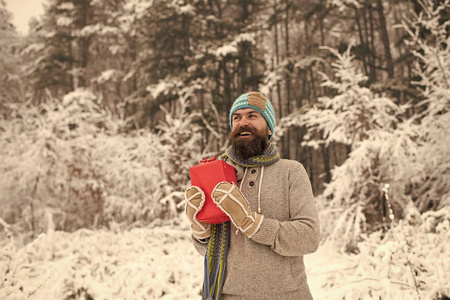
column 216, row 261
column 269, row 157
column 219, row 242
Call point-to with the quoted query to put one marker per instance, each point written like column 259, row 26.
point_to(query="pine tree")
column 11, row 85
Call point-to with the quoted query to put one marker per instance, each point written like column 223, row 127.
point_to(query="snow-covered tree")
column 432, row 122
column 11, row 86
column 179, row 134
column 146, row 173
column 365, row 122
column 48, row 166
column 354, row 111
column 410, row 155
column 69, row 165
column 408, row 261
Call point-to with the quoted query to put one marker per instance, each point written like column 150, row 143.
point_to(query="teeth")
column 245, row 133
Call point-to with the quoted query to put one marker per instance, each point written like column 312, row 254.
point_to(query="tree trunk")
column 84, row 42
column 277, row 57
column 385, row 39
column 372, row 72
column 361, row 38
column 287, row 78
column 326, row 162
column 226, row 91
column 373, row 56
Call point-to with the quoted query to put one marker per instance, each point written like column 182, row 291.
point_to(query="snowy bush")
column 355, row 195
column 406, row 262
column 151, row 263
column 68, row 165
column 182, row 137
column 48, row 166
column 159, row 262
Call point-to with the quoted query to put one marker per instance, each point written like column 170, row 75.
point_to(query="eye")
column 236, row 117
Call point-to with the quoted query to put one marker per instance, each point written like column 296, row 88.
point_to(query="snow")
column 233, row 47
column 383, row 268
column 160, row 88
column 159, row 262
column 98, row 29
column 138, row 7
column 108, row 75
column 336, row 31
column 343, row 4
column 225, row 50
column 81, row 96
column 245, row 37
column 142, row 263
column 164, row 87
column 63, row 21
column 66, row 6
column 186, row 9
column 35, row 47
column 406, row 259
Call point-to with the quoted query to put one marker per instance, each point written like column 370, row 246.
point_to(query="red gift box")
column 206, row 176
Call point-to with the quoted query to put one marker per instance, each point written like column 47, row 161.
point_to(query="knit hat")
column 258, row 102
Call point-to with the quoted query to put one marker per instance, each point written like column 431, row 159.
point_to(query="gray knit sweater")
column 270, row 264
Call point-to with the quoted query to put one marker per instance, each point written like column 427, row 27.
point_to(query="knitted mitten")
column 230, row 200
column 195, row 199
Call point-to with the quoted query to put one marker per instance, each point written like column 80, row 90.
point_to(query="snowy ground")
column 317, row 276
column 321, row 268
column 160, row 263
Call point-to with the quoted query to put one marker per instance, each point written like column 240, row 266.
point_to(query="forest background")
column 105, row 105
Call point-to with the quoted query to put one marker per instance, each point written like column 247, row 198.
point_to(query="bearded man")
column 272, row 211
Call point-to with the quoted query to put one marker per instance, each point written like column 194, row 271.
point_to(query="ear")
column 270, row 131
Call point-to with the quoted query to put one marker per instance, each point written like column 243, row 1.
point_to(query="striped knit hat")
column 258, row 102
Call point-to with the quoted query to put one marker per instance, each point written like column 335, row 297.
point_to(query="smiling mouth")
column 245, row 133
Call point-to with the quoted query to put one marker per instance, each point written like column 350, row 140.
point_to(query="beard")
column 244, row 148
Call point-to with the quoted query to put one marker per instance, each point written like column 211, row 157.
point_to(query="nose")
column 244, row 121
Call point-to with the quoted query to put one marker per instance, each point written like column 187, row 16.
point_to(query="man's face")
column 249, row 135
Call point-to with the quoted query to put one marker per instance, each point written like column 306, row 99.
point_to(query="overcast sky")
column 22, row 11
